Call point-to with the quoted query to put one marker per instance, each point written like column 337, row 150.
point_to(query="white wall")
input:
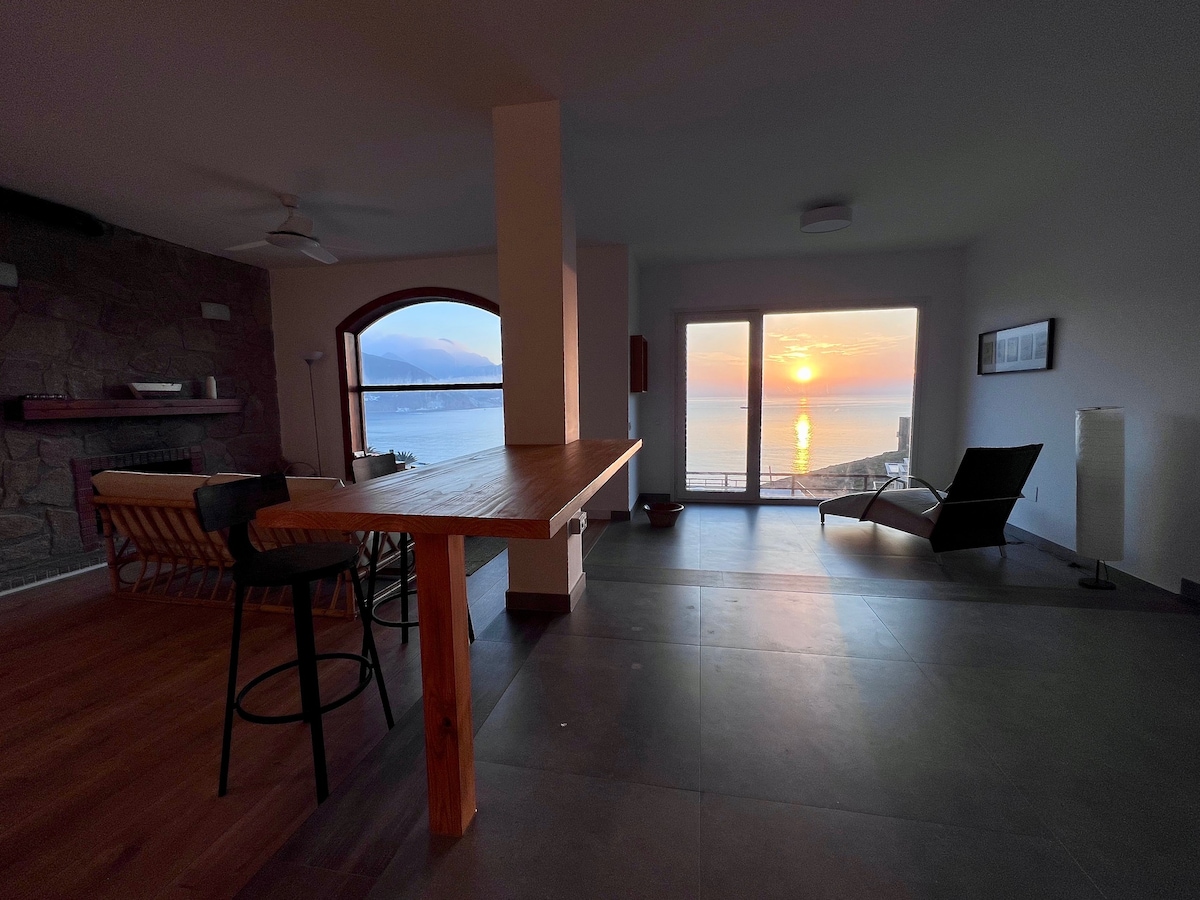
column 308, row 303
column 1115, row 257
column 604, row 276
column 931, row 280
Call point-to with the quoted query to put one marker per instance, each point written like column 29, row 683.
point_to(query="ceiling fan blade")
column 250, row 246
column 317, row 252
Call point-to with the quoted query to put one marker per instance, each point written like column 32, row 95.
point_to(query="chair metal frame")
column 962, row 519
column 230, row 508
column 390, row 547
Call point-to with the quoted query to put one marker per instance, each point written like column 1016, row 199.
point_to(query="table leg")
column 446, row 682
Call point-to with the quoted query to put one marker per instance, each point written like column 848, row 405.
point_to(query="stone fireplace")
column 172, row 460
column 89, row 315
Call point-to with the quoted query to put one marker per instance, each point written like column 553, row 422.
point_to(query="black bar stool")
column 364, row 468
column 233, row 506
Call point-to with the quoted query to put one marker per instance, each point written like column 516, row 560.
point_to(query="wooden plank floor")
column 110, row 740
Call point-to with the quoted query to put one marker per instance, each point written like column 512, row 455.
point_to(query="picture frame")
column 1022, row 348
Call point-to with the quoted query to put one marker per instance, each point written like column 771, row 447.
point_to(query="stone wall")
column 91, row 314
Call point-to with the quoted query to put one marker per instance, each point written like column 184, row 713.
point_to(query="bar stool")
column 364, row 468
column 233, row 506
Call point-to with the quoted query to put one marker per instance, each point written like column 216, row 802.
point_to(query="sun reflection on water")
column 803, row 440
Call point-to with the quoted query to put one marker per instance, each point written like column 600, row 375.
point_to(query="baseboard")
column 1085, row 564
column 607, row 515
column 1048, row 546
column 530, row 601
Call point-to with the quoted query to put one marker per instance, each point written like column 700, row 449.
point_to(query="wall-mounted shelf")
column 31, row 410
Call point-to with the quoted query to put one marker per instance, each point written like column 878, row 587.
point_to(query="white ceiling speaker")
column 296, row 233
column 821, row 219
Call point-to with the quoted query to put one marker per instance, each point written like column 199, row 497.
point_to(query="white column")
column 535, row 240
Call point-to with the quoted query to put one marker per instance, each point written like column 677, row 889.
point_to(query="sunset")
column 809, row 354
column 839, row 353
column 836, row 387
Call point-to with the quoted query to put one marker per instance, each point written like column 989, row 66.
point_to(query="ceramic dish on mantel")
column 143, row 390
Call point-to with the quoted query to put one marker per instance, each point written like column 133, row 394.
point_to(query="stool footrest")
column 390, row 593
column 300, row 716
column 394, row 623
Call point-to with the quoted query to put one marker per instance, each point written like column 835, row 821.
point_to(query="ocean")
column 436, row 434
column 798, row 435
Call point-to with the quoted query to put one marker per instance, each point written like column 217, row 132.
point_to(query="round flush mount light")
column 820, row 219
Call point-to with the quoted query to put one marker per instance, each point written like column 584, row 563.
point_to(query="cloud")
column 716, row 358
column 803, row 345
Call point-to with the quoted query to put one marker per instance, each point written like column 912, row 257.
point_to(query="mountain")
column 443, row 359
column 384, row 370
column 433, row 401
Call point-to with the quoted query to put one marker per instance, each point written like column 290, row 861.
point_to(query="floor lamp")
column 1100, row 488
column 311, row 357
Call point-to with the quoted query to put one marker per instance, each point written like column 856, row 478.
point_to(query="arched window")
column 422, row 372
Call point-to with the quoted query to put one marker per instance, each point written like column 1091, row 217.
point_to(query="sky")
column 808, row 354
column 467, row 326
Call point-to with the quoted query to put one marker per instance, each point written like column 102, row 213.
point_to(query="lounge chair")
column 971, row 512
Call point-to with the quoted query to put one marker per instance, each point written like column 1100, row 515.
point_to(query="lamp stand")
column 1098, row 583
column 312, row 395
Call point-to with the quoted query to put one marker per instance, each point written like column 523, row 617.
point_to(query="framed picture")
column 1024, row 348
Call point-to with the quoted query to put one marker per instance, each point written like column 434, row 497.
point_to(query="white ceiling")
column 692, row 130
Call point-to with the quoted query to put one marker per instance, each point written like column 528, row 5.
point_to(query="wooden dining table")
column 514, row 491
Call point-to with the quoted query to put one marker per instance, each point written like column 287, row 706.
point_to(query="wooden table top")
column 517, row 491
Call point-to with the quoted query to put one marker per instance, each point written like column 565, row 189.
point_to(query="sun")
column 803, row 374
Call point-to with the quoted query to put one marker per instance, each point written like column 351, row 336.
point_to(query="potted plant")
column 404, row 458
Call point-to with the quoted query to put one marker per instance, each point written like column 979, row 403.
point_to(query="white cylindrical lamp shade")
column 1100, row 482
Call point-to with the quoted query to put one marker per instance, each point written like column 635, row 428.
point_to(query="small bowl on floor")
column 663, row 515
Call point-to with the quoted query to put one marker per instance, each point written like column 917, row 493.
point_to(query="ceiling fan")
column 296, row 233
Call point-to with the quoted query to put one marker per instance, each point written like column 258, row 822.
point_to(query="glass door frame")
column 754, row 319
column 754, row 394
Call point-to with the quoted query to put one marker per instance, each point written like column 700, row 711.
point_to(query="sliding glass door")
column 721, row 409
column 795, row 406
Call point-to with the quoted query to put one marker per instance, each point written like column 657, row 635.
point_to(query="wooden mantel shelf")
column 30, row 410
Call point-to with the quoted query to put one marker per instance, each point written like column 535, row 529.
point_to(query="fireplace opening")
column 174, row 461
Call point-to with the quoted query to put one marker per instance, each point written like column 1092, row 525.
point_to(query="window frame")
column 756, row 317
column 350, row 357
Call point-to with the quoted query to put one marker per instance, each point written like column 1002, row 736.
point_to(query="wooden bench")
column 157, row 550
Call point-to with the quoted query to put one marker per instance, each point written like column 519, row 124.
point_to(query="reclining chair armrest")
column 983, row 500
column 883, row 487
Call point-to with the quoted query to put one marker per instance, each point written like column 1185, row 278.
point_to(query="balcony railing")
column 788, row 486
column 729, row 482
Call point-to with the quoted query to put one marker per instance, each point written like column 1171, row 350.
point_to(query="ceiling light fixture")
column 820, row 219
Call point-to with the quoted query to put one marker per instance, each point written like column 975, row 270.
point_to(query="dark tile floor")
column 751, row 705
